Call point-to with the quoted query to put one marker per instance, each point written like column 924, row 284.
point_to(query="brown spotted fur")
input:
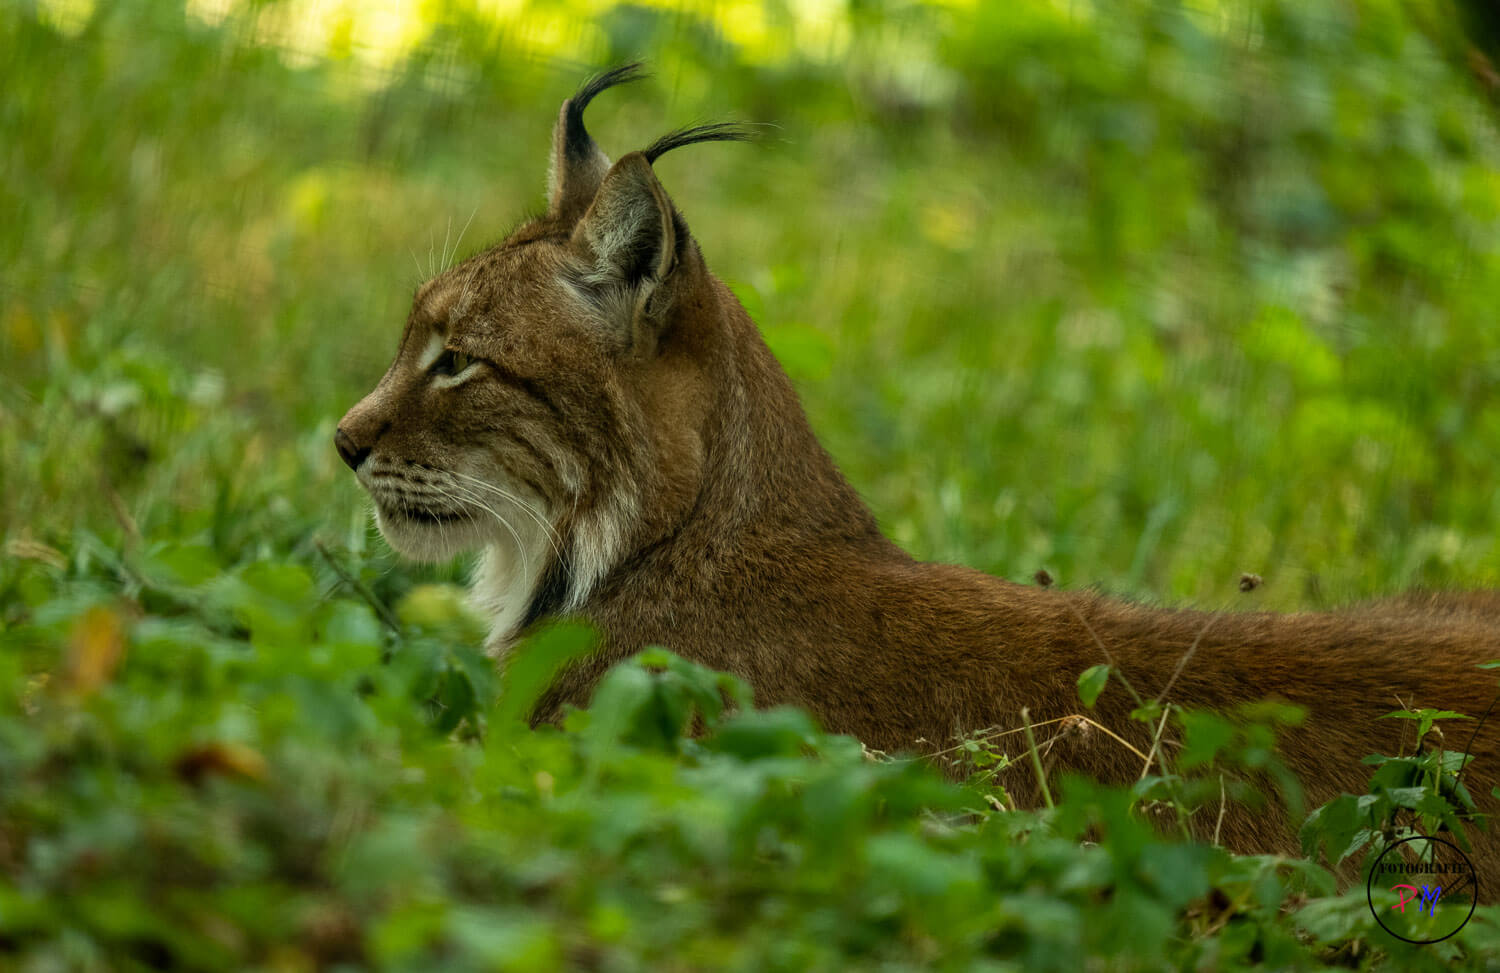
column 743, row 548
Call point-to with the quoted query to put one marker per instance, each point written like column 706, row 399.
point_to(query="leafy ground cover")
column 1146, row 295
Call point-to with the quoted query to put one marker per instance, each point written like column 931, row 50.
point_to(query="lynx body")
column 587, row 406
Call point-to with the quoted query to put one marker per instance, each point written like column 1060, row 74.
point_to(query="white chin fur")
column 428, row 542
column 510, row 566
column 517, row 544
column 505, row 581
column 516, row 553
column 503, row 589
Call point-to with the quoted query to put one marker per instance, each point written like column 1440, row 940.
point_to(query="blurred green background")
column 1147, row 294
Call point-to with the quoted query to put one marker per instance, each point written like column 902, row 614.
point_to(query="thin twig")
column 994, row 733
column 1464, row 765
column 360, row 588
column 1401, row 743
column 1036, row 760
column 977, row 734
column 1223, row 804
column 1108, row 657
column 1182, row 662
column 1230, row 911
column 122, row 513
column 1156, row 745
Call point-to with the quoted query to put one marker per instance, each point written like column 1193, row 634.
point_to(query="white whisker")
column 464, row 294
column 553, row 537
column 459, row 242
column 452, row 493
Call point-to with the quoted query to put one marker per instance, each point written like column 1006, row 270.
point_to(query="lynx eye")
column 451, row 362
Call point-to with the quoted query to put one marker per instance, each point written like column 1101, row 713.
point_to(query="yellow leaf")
column 22, row 331
column 224, row 759
column 95, row 648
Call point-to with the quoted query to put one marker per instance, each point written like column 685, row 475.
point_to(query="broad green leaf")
column 1205, row 736
column 1091, row 683
column 533, row 664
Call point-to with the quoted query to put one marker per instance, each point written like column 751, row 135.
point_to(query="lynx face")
column 530, row 411
column 460, row 445
column 489, row 430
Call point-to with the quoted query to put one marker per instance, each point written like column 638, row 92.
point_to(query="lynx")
column 590, row 409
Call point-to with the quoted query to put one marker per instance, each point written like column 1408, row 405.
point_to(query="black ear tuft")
column 578, row 165
column 714, row 132
column 576, row 142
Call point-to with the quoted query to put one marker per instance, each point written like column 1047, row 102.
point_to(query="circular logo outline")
column 1375, row 868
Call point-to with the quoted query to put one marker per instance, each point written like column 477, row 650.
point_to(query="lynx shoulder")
column 587, row 407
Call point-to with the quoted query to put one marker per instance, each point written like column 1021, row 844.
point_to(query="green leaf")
column 1408, row 797
column 1178, row 872
column 1148, row 713
column 623, row 694
column 510, row 939
column 909, row 865
column 1434, row 714
column 418, row 665
column 533, row 665
column 780, row 731
column 1205, row 736
column 351, row 623
column 1337, row 828
column 443, row 610
column 456, row 700
column 182, row 565
column 406, row 932
column 1091, row 683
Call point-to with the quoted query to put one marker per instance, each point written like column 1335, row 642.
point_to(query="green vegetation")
column 1145, row 295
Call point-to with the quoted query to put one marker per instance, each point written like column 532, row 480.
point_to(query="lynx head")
column 546, row 404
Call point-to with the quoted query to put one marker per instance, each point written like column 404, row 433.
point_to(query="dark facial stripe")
column 532, row 388
column 550, row 595
column 543, row 459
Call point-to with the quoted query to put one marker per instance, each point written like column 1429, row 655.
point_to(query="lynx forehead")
column 591, row 410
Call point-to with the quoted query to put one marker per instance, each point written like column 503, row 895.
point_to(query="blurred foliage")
column 1148, row 293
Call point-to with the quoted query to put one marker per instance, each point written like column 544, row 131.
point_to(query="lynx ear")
column 627, row 238
column 578, row 165
column 630, row 237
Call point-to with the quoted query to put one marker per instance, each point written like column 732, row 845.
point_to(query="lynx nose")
column 352, row 455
